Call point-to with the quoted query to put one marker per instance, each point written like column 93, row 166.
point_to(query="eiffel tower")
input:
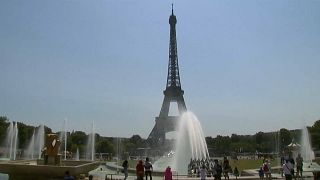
column 172, row 93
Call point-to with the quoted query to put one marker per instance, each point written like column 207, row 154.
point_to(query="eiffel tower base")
column 157, row 137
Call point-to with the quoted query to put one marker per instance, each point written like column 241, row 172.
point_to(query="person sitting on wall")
column 67, row 176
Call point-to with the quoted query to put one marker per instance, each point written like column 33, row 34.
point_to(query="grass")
column 243, row 164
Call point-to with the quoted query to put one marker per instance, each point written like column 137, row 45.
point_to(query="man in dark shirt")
column 148, row 169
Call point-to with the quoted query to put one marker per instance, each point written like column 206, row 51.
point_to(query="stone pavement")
column 108, row 170
column 121, row 177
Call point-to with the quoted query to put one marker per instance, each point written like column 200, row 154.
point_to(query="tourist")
column 226, row 168
column 316, row 175
column 213, row 171
column 67, row 176
column 261, row 174
column 90, row 177
column 140, row 170
column 299, row 161
column 148, row 169
column 291, row 159
column 168, row 174
column 203, row 172
column 267, row 169
column 125, row 168
column 236, row 172
column 282, row 161
column 218, row 169
column 287, row 169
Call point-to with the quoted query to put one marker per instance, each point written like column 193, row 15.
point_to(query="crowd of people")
column 211, row 168
column 287, row 168
column 144, row 169
column 196, row 168
column 218, row 169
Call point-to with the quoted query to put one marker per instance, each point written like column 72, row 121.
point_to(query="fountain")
column 65, row 139
column 305, row 150
column 29, row 153
column 190, row 143
column 307, row 153
column 40, row 140
column 15, row 141
column 91, row 144
column 51, row 167
column 36, row 144
column 77, row 158
column 11, row 141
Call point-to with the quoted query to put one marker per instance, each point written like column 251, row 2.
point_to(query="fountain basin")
column 114, row 167
column 29, row 169
column 311, row 167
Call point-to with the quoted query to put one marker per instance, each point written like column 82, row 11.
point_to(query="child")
column 261, row 174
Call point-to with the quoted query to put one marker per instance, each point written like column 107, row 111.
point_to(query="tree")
column 316, row 125
column 104, row 146
column 315, row 134
column 285, row 137
column 78, row 137
column 222, row 145
column 3, row 127
column 136, row 139
column 235, row 138
column 260, row 138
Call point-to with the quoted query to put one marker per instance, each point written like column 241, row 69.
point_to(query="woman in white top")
column 203, row 172
column 287, row 170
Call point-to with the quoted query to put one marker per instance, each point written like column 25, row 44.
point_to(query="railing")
column 110, row 175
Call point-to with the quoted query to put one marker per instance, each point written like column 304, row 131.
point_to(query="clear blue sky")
column 245, row 66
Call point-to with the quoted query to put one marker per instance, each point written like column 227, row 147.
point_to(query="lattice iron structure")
column 172, row 93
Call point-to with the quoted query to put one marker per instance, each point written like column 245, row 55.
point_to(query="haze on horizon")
column 245, row 66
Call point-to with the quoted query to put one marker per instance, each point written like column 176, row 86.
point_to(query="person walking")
column 299, row 161
column 168, row 174
column 148, row 169
column 236, row 172
column 226, row 168
column 125, row 166
column 218, row 169
column 287, row 169
column 140, row 170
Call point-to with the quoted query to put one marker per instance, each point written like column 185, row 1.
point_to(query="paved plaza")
column 104, row 172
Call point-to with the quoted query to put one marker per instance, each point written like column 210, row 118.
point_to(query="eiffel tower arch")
column 172, row 93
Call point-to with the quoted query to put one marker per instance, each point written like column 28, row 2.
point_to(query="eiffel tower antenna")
column 172, row 93
column 172, row 8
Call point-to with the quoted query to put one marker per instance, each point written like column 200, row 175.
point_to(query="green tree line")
column 265, row 142
column 76, row 139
